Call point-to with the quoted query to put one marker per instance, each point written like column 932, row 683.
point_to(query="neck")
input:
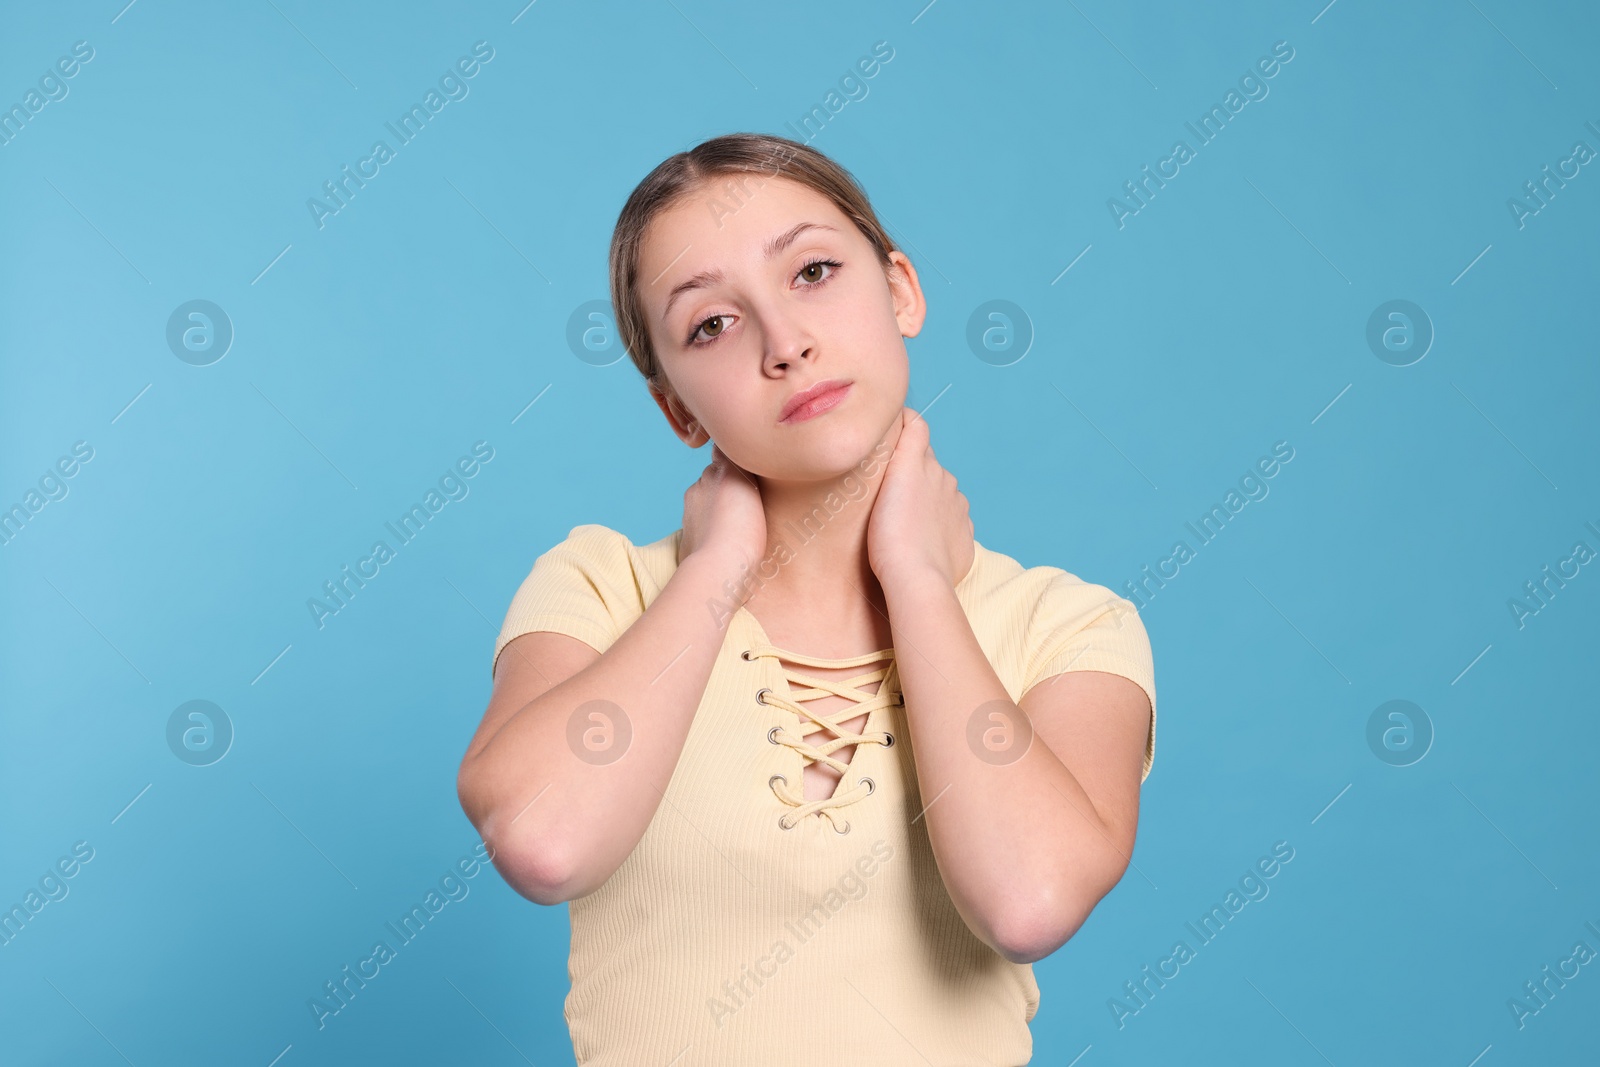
column 817, row 542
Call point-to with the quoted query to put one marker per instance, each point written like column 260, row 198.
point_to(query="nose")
column 787, row 342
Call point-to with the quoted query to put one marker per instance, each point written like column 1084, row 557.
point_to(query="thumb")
column 913, row 429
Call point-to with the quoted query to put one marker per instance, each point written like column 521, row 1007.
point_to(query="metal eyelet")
column 872, row 787
column 763, row 689
column 772, row 731
column 844, row 831
column 783, row 820
column 888, row 739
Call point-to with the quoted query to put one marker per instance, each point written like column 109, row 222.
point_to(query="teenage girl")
column 819, row 774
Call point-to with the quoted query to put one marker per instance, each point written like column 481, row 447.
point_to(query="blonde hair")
column 677, row 177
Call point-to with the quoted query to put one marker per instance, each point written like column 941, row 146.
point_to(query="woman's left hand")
column 919, row 523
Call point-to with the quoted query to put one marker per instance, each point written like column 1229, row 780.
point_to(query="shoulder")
column 594, row 539
column 1037, row 622
column 1033, row 620
column 611, row 556
column 1000, row 589
column 591, row 585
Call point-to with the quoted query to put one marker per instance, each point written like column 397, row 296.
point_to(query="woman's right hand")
column 723, row 520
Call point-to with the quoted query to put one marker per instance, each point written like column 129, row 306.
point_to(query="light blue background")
column 1228, row 314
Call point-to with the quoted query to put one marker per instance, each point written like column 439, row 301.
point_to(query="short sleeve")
column 1079, row 626
column 582, row 587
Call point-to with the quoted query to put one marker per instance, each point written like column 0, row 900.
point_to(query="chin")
column 838, row 451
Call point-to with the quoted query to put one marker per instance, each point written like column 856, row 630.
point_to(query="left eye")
column 814, row 265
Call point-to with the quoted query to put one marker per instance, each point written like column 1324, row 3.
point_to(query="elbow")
column 1029, row 934
column 534, row 876
column 535, row 869
column 1029, row 939
column 1032, row 941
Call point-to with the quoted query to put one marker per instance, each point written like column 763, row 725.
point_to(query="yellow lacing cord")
column 814, row 688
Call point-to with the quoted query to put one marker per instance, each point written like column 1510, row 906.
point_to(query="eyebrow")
column 708, row 278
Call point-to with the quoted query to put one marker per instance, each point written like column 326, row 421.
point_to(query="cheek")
column 884, row 348
column 862, row 328
column 722, row 399
column 884, row 324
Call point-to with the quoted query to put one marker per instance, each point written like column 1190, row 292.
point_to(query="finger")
column 912, row 426
column 915, row 434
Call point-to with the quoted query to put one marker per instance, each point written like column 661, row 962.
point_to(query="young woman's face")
column 746, row 310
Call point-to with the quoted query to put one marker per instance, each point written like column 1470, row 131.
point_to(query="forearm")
column 1022, row 852
column 571, row 800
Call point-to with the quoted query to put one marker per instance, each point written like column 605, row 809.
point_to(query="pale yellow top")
column 751, row 927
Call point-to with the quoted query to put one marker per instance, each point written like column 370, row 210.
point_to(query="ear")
column 689, row 431
column 909, row 306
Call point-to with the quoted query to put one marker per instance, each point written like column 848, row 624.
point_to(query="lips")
column 815, row 400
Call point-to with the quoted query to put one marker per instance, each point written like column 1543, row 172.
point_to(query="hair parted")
column 680, row 176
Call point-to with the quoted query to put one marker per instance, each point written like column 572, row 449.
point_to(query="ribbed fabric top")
column 750, row 926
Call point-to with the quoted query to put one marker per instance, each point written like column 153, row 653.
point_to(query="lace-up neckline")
column 806, row 688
